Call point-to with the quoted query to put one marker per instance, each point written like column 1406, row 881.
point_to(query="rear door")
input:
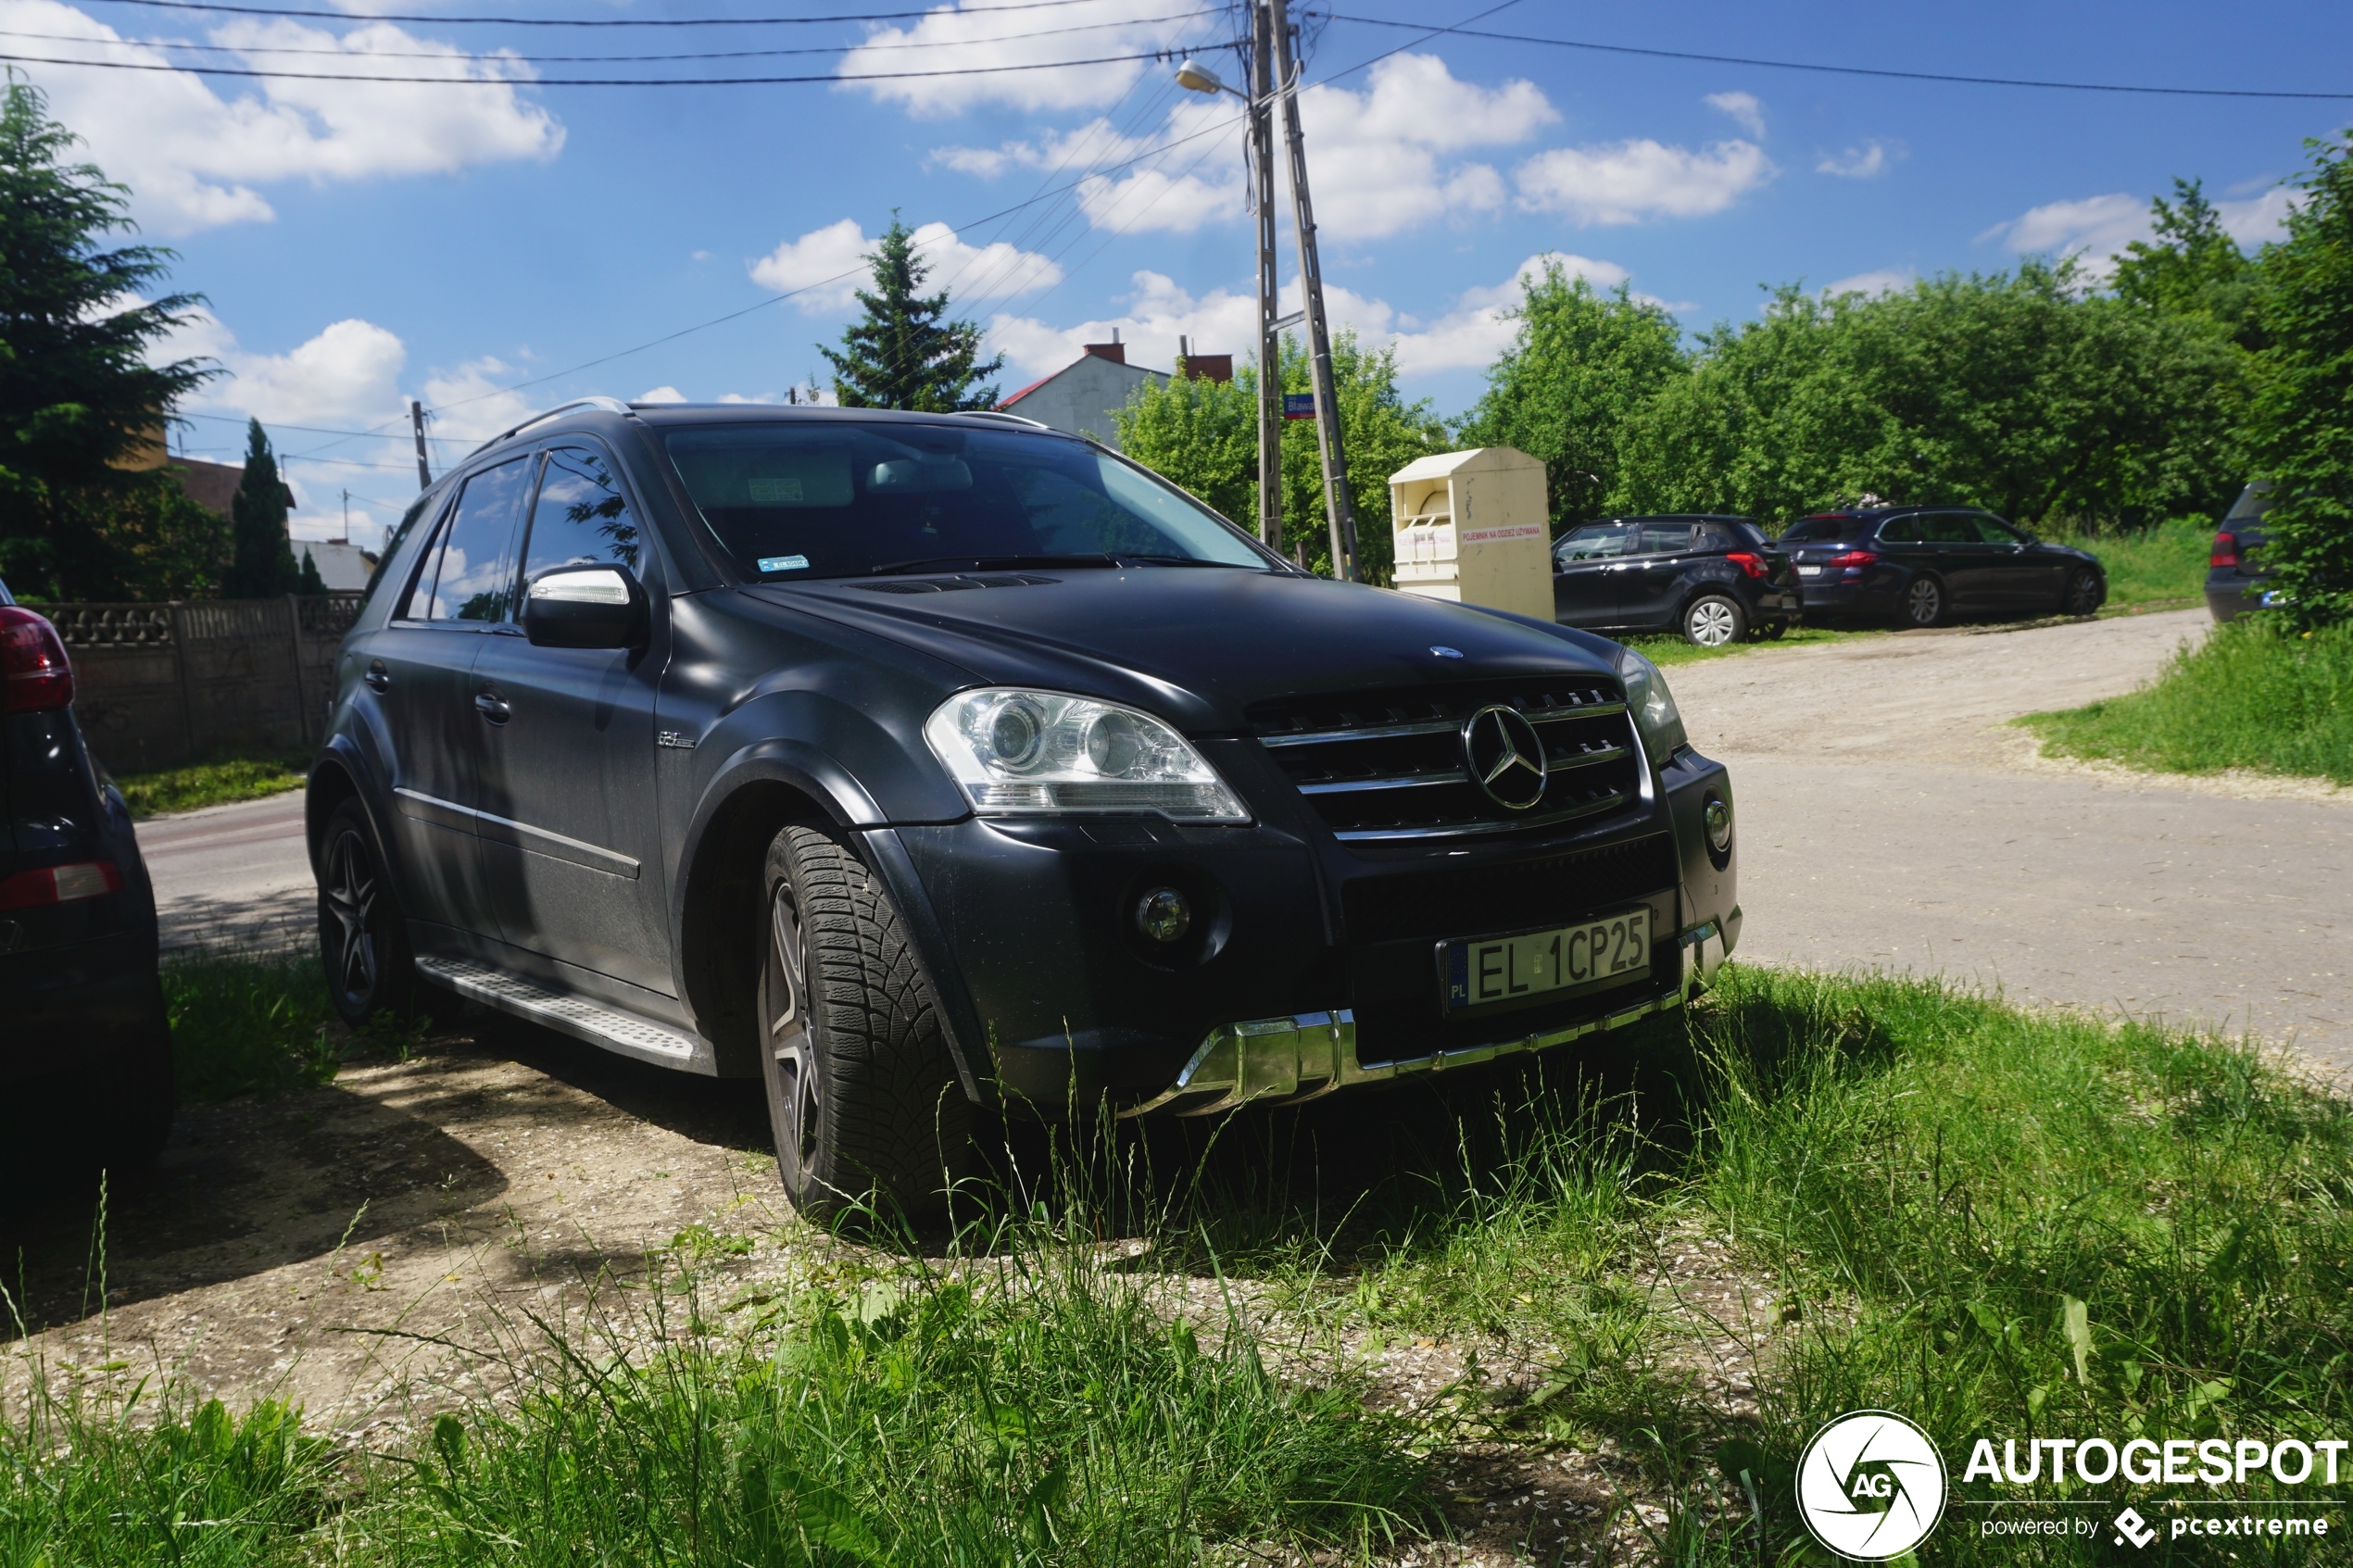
column 1650, row 589
column 1967, row 563
column 1585, row 567
column 420, row 665
column 569, row 827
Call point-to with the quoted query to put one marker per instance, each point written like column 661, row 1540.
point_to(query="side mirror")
column 583, row 607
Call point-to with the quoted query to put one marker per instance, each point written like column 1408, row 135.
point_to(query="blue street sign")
column 1298, row 405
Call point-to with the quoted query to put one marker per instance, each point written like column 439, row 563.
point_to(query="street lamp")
column 1195, row 77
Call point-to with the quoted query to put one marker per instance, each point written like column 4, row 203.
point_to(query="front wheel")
column 1713, row 620
column 862, row 1097
column 1923, row 603
column 2085, row 594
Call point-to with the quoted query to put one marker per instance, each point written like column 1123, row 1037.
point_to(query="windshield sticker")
column 784, row 563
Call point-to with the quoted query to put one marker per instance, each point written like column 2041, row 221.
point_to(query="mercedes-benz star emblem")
column 1505, row 755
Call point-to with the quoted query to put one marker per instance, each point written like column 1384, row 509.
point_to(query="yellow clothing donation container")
column 1472, row 527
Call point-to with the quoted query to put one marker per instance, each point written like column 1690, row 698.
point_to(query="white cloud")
column 1887, row 279
column 1480, row 327
column 2097, row 228
column 829, row 266
column 955, row 37
column 194, row 159
column 1091, row 145
column 1861, row 163
column 2260, row 221
column 1628, row 181
column 664, row 394
column 1743, row 109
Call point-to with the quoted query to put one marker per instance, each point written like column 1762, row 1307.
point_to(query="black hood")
column 1197, row 644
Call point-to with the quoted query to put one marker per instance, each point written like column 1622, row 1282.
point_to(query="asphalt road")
column 1889, row 817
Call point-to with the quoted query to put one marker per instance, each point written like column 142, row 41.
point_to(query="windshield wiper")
column 989, row 563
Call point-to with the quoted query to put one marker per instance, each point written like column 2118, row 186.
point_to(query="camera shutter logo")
column 1870, row 1485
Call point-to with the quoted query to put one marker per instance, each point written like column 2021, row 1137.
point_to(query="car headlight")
column 1652, row 705
column 1020, row 753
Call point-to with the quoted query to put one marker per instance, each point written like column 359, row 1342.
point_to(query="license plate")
column 1809, row 572
column 1514, row 969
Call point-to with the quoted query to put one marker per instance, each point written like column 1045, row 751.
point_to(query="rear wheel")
column 2086, row 593
column 1923, row 602
column 862, row 1097
column 1713, row 620
column 363, row 937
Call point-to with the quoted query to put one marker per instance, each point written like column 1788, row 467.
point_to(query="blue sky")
column 363, row 243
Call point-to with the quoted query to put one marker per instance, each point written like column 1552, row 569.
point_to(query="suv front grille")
column 1388, row 766
column 1515, row 895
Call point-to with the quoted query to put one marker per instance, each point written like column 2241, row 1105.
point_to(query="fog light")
column 1163, row 915
column 1718, row 817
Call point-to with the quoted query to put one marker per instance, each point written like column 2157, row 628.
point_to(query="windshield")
column 842, row 499
column 1814, row 528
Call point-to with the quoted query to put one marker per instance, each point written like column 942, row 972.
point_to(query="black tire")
column 1923, row 604
column 133, row 1105
column 1771, row 632
column 2086, row 591
column 863, row 1096
column 1715, row 621
column 363, row 935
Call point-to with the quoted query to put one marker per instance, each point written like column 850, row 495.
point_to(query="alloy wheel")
column 1924, row 601
column 2083, row 594
column 1712, row 623
column 795, row 1088
column 351, row 902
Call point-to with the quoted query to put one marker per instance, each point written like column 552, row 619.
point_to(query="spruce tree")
column 77, row 393
column 907, row 353
column 263, row 566
column 310, row 581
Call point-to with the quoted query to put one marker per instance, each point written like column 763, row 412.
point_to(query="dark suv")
column 911, row 763
column 1920, row 566
column 1716, row 580
column 85, row 1051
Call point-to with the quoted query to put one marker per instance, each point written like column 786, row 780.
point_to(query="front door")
column 1650, row 587
column 2026, row 577
column 1585, row 567
column 568, row 826
column 420, row 666
column 1970, row 567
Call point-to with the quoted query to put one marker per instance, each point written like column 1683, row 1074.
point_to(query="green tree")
column 2022, row 392
column 1579, row 366
column 263, row 565
column 2192, row 268
column 906, row 353
column 1203, row 436
column 308, row 581
column 2300, row 424
column 78, row 396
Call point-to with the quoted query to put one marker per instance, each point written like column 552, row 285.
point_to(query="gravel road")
column 1891, row 817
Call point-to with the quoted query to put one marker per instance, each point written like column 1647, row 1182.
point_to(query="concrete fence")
column 158, row 686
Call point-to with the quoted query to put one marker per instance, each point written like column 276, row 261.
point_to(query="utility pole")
column 1339, row 508
column 1270, row 352
column 417, row 423
column 347, row 516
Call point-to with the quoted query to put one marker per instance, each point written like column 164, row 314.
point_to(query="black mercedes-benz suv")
column 912, row 763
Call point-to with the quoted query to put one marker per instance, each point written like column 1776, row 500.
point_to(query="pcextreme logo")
column 1870, row 1485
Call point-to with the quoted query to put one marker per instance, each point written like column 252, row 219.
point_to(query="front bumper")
column 1027, row 933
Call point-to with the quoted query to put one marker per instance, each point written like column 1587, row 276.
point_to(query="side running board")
column 597, row 1022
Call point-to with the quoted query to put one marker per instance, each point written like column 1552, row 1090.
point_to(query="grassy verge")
column 2149, row 565
column 2005, row 1224
column 2252, row 695
column 210, row 784
column 244, row 1024
column 1670, row 649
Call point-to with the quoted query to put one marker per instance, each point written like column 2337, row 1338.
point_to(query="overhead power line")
column 1837, row 70
column 248, row 49
column 199, row 68
column 592, row 22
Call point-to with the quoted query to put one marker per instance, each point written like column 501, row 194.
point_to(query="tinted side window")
column 1995, row 532
column 1950, row 528
column 1900, row 531
column 1666, row 538
column 1595, row 541
column 1718, row 536
column 1821, row 530
column 581, row 518
column 471, row 576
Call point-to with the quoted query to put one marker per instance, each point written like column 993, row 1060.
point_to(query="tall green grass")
column 216, row 782
column 2254, row 695
column 2147, row 565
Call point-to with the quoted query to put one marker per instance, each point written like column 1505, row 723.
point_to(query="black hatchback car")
column 911, row 763
column 86, row 1049
column 1716, row 580
column 2236, row 579
column 1920, row 566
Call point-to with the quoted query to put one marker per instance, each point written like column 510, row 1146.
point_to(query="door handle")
column 493, row 707
column 379, row 679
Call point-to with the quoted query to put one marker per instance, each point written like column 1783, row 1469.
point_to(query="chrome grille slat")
column 1403, row 781
column 1441, row 727
column 1546, row 819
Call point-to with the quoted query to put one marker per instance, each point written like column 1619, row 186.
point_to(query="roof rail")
column 1000, row 414
column 610, row 404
